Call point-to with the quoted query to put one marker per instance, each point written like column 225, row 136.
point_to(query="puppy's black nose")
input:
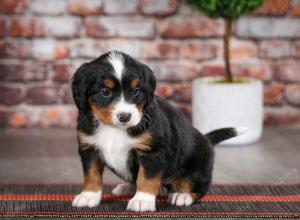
column 124, row 117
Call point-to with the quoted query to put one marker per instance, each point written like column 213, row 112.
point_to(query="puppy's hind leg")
column 123, row 189
column 183, row 196
column 92, row 187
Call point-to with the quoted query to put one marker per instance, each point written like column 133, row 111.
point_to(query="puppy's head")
column 115, row 88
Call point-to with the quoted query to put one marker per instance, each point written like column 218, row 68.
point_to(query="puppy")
column 144, row 140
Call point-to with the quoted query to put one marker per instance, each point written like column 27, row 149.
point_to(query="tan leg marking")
column 147, row 185
column 145, row 196
column 93, row 177
column 92, row 186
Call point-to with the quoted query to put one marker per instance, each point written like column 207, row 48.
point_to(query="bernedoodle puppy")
column 144, row 140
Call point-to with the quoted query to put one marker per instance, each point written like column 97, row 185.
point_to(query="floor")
column 50, row 155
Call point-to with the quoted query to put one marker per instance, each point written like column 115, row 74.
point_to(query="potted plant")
column 228, row 101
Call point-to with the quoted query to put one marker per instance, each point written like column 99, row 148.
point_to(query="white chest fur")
column 114, row 145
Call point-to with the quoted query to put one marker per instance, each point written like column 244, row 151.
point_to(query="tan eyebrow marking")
column 109, row 83
column 134, row 83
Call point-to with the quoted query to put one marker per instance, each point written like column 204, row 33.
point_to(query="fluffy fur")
column 139, row 136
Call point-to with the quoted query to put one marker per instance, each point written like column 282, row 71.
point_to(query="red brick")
column 15, row 49
column 213, row 70
column 4, row 115
column 273, row 94
column 43, row 95
column 120, row 7
column 48, row 7
column 258, row 70
column 22, row 28
column 159, row 8
column 10, row 120
column 48, row 49
column 57, row 116
column 173, row 72
column 13, row 6
column 61, row 50
column 190, row 27
column 198, row 51
column 67, row 95
column 10, row 95
column 45, row 116
column 182, row 92
column 61, row 27
column 87, row 48
column 63, row 72
column 164, row 90
column 295, row 7
column 160, row 50
column 120, row 27
column 292, row 94
column 274, row 49
column 268, row 27
column 132, row 47
column 43, row 49
column 296, row 49
column 85, row 7
column 23, row 72
column 25, row 27
column 274, row 7
column 288, row 71
column 240, row 49
column 2, row 27
column 285, row 116
column 16, row 120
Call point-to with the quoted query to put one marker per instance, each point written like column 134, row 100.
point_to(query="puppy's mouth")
column 123, row 125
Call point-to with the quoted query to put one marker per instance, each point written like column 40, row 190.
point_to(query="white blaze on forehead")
column 117, row 61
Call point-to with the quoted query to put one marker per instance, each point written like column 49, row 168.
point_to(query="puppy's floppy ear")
column 79, row 88
column 150, row 80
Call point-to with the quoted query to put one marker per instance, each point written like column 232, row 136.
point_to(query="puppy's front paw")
column 180, row 199
column 87, row 198
column 142, row 202
column 123, row 189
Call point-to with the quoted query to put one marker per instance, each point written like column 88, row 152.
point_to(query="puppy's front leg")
column 92, row 186
column 145, row 196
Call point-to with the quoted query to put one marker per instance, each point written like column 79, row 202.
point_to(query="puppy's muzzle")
column 124, row 117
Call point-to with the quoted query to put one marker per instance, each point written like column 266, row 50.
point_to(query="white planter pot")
column 219, row 105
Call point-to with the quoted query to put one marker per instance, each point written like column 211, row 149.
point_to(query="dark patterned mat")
column 233, row 201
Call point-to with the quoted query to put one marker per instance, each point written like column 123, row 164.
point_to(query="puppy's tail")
column 219, row 135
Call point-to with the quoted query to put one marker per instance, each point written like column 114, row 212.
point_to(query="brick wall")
column 42, row 42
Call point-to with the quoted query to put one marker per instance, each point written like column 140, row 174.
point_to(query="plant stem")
column 227, row 36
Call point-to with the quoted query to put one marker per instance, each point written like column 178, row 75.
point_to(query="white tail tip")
column 241, row 130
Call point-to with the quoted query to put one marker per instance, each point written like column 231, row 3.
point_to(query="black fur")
column 178, row 150
column 220, row 135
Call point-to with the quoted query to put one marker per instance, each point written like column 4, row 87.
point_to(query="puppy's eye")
column 135, row 92
column 105, row 92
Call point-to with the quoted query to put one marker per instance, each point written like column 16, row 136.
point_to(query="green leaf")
column 227, row 9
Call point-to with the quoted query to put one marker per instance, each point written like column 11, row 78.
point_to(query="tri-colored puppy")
column 140, row 137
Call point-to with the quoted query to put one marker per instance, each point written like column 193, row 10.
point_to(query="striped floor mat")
column 234, row 201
